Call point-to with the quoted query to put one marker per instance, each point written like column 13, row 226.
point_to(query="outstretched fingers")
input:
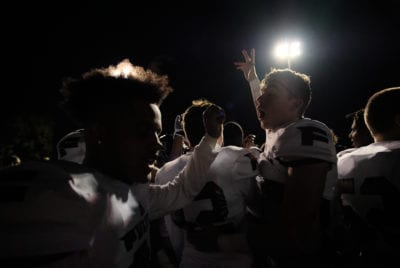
column 246, row 56
column 240, row 65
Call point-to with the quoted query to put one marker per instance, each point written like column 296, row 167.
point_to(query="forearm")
column 176, row 148
column 181, row 191
column 255, row 89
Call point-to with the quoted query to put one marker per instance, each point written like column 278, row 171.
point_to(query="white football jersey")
column 172, row 168
column 369, row 182
column 221, row 203
column 332, row 177
column 301, row 142
column 66, row 215
column 67, row 208
column 346, row 151
column 304, row 139
column 165, row 174
column 231, row 177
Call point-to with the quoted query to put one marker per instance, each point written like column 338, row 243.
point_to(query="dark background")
column 350, row 49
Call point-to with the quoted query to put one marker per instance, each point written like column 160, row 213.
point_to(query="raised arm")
column 178, row 139
column 248, row 67
column 181, row 191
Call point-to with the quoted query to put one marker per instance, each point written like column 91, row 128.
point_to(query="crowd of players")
column 116, row 197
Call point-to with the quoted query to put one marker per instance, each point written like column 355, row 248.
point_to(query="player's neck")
column 386, row 137
column 285, row 124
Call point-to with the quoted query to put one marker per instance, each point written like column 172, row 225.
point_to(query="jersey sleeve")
column 246, row 165
column 185, row 186
column 305, row 140
column 246, row 170
column 235, row 162
column 255, row 89
column 235, row 169
column 170, row 169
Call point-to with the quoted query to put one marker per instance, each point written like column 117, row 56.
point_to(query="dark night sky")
column 350, row 50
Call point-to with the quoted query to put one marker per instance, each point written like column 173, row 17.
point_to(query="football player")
column 359, row 133
column 297, row 156
column 191, row 129
column 97, row 214
column 369, row 186
column 220, row 207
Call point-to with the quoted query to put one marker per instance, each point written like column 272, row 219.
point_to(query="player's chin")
column 264, row 124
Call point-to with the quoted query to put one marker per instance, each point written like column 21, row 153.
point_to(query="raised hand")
column 178, row 129
column 248, row 67
column 214, row 118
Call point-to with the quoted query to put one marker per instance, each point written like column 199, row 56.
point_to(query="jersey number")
column 218, row 213
column 311, row 134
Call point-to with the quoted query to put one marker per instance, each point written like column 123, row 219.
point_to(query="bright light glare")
column 124, row 68
column 281, row 50
column 295, row 49
column 288, row 50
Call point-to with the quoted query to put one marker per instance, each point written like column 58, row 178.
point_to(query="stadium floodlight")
column 288, row 51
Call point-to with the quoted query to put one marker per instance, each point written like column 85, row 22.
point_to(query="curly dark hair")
column 104, row 90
